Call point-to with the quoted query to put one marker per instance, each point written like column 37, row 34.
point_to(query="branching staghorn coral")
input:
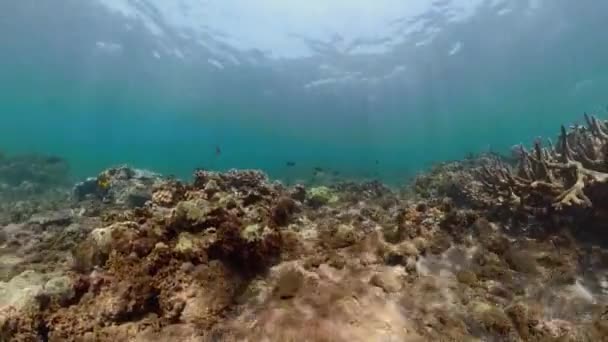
column 573, row 173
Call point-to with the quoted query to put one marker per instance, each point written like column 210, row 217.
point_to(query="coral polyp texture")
column 573, row 173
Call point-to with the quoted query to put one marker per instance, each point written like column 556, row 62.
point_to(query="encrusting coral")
column 571, row 174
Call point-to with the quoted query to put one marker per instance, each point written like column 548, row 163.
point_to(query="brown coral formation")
column 571, row 174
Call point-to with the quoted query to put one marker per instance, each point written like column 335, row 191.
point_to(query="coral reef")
column 455, row 180
column 235, row 257
column 573, row 173
column 122, row 186
column 31, row 183
column 33, row 171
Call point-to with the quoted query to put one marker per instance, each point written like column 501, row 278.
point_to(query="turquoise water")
column 65, row 93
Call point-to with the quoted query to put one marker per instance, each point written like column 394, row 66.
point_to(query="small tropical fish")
column 290, row 164
column 103, row 182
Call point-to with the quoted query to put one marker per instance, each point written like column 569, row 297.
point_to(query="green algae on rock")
column 321, row 195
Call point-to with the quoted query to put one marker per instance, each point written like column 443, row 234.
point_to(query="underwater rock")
column 524, row 319
column 439, row 243
column 458, row 222
column 320, row 196
column 102, row 237
column 492, row 318
column 253, row 232
column 298, row 193
column 129, row 300
column 136, row 197
column 341, row 236
column 330, row 305
column 401, row 253
column 521, row 260
column 22, row 290
column 131, row 195
column 249, row 249
column 201, row 177
column 211, row 188
column 421, row 243
column 87, row 255
column 185, row 243
column 122, row 186
column 194, row 211
column 282, row 211
column 407, row 248
column 85, row 188
column 196, row 215
column 388, row 280
column 168, row 193
column 94, row 251
column 8, row 266
column 163, row 198
column 556, row 329
column 600, row 325
column 173, row 332
column 451, row 180
column 289, row 283
column 244, row 179
column 58, row 217
column 191, row 247
column 17, row 206
column 467, row 277
column 369, row 190
column 39, row 171
column 12, row 229
column 244, row 183
column 345, row 236
column 215, row 290
column 490, row 236
column 60, row 287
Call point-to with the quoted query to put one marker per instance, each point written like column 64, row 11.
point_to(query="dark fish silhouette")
column 218, row 151
column 377, row 162
column 318, row 171
column 290, row 164
column 335, row 173
column 53, row 160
